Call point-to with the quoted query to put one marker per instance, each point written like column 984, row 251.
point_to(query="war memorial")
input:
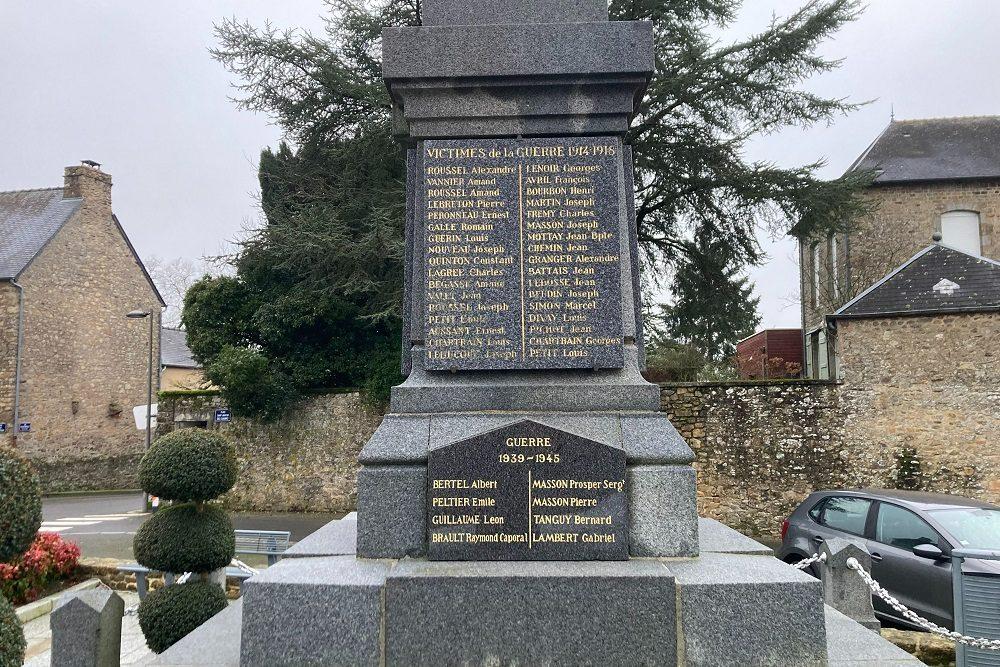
column 524, row 502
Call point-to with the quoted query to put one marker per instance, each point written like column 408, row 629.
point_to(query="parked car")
column 910, row 536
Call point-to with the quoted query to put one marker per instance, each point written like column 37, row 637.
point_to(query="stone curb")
column 33, row 610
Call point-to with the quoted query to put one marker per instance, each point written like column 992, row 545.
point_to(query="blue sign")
column 223, row 416
column 24, row 427
column 3, row 427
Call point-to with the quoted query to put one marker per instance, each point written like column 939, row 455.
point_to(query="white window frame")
column 815, row 274
column 834, row 268
column 966, row 215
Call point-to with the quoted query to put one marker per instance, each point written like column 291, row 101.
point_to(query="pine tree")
column 714, row 306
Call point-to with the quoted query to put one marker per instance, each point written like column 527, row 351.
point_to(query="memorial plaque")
column 522, row 246
column 527, row 492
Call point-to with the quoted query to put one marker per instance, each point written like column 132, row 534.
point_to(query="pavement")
column 134, row 649
column 103, row 524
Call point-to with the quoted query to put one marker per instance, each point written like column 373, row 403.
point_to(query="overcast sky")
column 131, row 85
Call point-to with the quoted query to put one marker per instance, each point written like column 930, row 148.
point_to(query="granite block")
column 530, row 613
column 645, row 438
column 610, row 390
column 314, row 611
column 447, row 429
column 608, row 47
column 843, row 589
column 651, row 438
column 663, row 511
column 337, row 538
column 716, row 537
column 398, row 439
column 87, row 628
column 491, row 500
column 392, row 511
column 748, row 610
column 215, row 642
column 492, row 12
column 851, row 645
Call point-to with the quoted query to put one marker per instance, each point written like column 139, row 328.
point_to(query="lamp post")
column 138, row 315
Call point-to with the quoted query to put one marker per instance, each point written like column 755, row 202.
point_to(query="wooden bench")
column 271, row 543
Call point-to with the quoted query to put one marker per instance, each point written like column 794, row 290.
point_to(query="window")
column 815, row 275
column 960, row 230
column 846, row 513
column 902, row 528
column 834, row 269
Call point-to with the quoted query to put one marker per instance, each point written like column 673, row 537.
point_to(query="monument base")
column 733, row 605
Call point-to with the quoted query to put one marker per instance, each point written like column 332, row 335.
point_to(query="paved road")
column 103, row 525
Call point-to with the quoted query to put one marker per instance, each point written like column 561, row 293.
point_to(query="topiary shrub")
column 186, row 538
column 20, row 504
column 12, row 642
column 188, row 464
column 168, row 614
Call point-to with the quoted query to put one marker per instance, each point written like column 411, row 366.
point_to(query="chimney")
column 89, row 182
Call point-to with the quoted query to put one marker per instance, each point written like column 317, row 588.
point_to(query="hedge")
column 169, row 614
column 189, row 464
column 20, row 504
column 182, row 538
column 12, row 642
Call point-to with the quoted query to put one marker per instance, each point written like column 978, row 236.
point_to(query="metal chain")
column 243, row 566
column 977, row 642
column 806, row 562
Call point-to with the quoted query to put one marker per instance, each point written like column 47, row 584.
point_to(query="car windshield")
column 973, row 528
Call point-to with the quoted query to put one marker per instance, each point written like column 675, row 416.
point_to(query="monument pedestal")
column 735, row 604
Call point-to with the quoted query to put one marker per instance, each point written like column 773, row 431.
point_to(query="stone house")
column 918, row 357
column 934, row 176
column 72, row 366
column 178, row 369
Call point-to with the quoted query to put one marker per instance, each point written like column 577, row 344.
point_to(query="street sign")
column 139, row 413
column 223, row 416
column 24, row 427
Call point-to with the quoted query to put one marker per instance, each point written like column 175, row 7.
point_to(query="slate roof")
column 28, row 221
column 935, row 149
column 174, row 350
column 938, row 279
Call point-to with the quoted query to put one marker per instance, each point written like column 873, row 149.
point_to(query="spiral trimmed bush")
column 20, row 504
column 189, row 464
column 183, row 539
column 12, row 642
column 168, row 614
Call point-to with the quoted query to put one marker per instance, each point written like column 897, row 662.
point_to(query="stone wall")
column 761, row 447
column 907, row 217
column 8, row 355
column 308, row 461
column 917, row 409
column 84, row 364
column 927, row 389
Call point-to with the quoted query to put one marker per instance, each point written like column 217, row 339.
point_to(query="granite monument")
column 524, row 501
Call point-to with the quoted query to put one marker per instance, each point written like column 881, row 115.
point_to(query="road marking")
column 70, row 522
column 73, row 522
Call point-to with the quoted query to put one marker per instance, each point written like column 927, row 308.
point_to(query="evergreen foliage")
column 20, row 504
column 317, row 293
column 186, row 538
column 189, row 464
column 12, row 643
column 194, row 537
column 713, row 306
column 168, row 614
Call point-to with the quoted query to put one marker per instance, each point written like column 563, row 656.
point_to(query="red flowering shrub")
column 49, row 559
